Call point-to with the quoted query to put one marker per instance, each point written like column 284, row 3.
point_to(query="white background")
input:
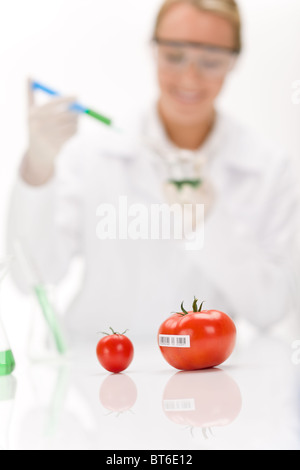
column 99, row 51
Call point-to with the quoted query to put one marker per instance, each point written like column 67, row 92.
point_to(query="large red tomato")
column 198, row 339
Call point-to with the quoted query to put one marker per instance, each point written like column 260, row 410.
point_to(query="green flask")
column 7, row 361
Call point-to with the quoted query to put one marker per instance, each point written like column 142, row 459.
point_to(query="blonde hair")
column 226, row 8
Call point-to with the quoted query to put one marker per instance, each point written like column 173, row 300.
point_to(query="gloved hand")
column 189, row 195
column 50, row 127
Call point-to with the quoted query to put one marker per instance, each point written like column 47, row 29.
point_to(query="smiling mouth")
column 188, row 97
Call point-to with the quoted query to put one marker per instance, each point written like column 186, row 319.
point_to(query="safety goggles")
column 211, row 62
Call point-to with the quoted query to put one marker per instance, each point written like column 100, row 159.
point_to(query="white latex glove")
column 50, row 127
column 203, row 194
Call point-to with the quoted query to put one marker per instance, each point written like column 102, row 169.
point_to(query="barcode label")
column 175, row 341
column 187, row 404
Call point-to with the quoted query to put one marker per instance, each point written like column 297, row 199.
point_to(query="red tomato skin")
column 115, row 353
column 212, row 337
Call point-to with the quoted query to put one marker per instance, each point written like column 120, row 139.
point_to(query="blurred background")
column 99, row 51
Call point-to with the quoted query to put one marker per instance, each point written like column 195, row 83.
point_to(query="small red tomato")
column 200, row 339
column 115, row 352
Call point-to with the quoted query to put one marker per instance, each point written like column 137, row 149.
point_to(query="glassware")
column 45, row 341
column 8, row 388
column 7, row 361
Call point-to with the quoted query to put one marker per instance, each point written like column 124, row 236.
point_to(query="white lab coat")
column 244, row 268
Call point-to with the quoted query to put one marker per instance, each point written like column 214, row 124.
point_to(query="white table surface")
column 250, row 402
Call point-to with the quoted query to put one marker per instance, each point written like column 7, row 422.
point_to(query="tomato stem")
column 195, row 308
column 113, row 332
column 195, row 305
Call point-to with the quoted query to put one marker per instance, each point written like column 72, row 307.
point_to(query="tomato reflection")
column 203, row 399
column 118, row 393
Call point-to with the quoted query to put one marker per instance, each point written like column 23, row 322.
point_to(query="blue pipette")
column 76, row 107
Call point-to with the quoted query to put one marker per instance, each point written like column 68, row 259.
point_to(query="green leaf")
column 195, row 306
column 183, row 309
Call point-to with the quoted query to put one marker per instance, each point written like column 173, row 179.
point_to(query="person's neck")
column 189, row 137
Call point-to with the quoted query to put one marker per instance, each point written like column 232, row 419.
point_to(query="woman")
column 248, row 190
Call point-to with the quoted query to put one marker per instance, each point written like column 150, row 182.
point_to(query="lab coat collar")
column 158, row 139
column 148, row 139
column 149, row 134
column 220, row 147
